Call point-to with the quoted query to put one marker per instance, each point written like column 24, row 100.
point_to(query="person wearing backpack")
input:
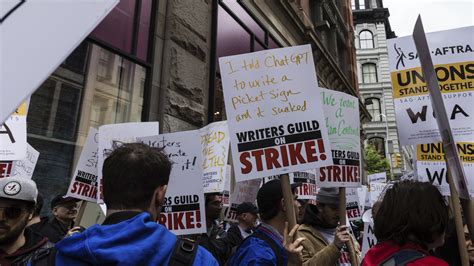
column 135, row 179
column 411, row 221
column 20, row 245
column 270, row 244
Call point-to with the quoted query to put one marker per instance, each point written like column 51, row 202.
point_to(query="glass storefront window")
column 72, row 100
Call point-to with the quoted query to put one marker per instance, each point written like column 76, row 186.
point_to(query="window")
column 379, row 144
column 366, row 40
column 373, row 106
column 369, row 73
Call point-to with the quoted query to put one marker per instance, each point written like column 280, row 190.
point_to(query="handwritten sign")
column 308, row 188
column 341, row 112
column 376, row 189
column 84, row 181
column 377, row 178
column 183, row 211
column 215, row 151
column 244, row 191
column 13, row 143
column 113, row 135
column 451, row 52
column 369, row 239
column 25, row 168
column 431, row 164
column 274, row 112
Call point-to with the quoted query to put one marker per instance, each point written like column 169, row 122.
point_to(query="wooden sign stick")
column 342, row 219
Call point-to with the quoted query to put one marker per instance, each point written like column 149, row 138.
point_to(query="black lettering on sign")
column 436, row 176
column 8, row 132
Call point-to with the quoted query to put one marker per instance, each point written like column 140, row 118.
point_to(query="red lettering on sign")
column 5, row 169
column 339, row 173
column 181, row 220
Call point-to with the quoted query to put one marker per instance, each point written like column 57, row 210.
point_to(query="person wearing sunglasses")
column 19, row 245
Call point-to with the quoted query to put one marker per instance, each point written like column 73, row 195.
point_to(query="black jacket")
column 54, row 230
column 36, row 247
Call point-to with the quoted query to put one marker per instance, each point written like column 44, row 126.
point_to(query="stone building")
column 372, row 29
column 157, row 61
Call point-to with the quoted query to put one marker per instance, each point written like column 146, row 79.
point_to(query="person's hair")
column 411, row 211
column 269, row 209
column 132, row 173
column 38, row 206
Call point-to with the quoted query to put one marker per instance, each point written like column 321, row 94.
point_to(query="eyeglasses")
column 11, row 212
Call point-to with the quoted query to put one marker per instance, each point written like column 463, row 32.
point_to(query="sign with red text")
column 431, row 165
column 47, row 31
column 114, row 135
column 6, row 168
column 244, row 191
column 308, row 188
column 453, row 59
column 184, row 209
column 13, row 143
column 84, row 181
column 26, row 167
column 274, row 112
column 215, row 151
column 354, row 208
column 341, row 112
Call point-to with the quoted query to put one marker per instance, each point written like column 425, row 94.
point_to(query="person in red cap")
column 64, row 210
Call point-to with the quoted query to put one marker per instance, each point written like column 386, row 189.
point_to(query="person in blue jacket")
column 135, row 179
column 271, row 244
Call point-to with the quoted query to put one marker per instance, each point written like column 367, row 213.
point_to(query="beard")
column 14, row 232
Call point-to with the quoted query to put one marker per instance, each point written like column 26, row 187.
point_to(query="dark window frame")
column 364, row 81
column 366, row 40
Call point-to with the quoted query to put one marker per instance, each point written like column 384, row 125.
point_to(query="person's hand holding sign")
column 293, row 248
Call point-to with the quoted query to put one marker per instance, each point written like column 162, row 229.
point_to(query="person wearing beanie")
column 325, row 236
column 18, row 244
column 270, row 244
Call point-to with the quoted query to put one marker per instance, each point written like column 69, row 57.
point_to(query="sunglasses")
column 11, row 212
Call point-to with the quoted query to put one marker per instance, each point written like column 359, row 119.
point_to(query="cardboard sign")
column 244, row 191
column 47, row 31
column 342, row 122
column 215, row 151
column 113, row 135
column 369, row 239
column 376, row 190
column 13, row 143
column 308, row 189
column 84, row 181
column 431, row 164
column 378, row 177
column 274, row 111
column 353, row 205
column 183, row 211
column 6, row 168
column 25, row 168
column 453, row 59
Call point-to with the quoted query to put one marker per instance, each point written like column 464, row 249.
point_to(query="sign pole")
column 80, row 213
column 288, row 197
column 458, row 220
column 342, row 219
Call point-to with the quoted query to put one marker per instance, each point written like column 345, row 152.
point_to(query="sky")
column 436, row 14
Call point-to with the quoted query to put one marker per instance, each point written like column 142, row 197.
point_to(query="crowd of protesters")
column 411, row 222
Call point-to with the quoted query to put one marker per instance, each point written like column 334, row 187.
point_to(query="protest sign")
column 376, row 190
column 6, row 168
column 341, row 112
column 431, row 164
column 409, row 176
column 215, row 151
column 47, row 31
column 452, row 56
column 244, row 191
column 362, row 192
column 84, row 181
column 369, row 239
column 25, row 168
column 378, row 177
column 308, row 188
column 113, row 135
column 353, row 205
column 13, row 143
column 274, row 112
column 183, row 211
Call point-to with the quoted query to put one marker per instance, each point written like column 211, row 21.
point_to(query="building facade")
column 157, row 61
column 372, row 29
